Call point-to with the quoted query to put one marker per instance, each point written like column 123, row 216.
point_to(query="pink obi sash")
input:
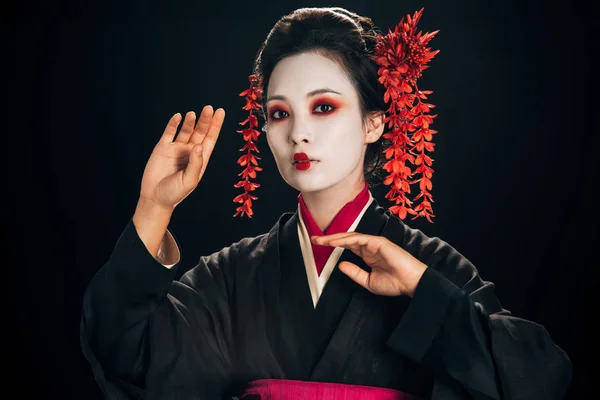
column 282, row 389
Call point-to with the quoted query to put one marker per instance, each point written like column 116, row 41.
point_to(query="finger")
column 339, row 235
column 187, row 128
column 355, row 273
column 193, row 171
column 324, row 240
column 349, row 240
column 347, row 243
column 171, row 129
column 202, row 125
column 343, row 235
column 213, row 132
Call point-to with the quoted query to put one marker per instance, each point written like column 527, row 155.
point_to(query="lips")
column 300, row 157
column 302, row 161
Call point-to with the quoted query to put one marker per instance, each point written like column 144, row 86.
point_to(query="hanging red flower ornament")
column 249, row 161
column 402, row 55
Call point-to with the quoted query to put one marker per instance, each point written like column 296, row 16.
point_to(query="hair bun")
column 368, row 29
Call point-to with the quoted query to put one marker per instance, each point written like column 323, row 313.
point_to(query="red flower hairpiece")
column 402, row 56
column 253, row 94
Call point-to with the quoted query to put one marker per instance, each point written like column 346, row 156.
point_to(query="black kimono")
column 245, row 313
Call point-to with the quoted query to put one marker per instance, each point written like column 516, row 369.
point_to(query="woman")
column 404, row 316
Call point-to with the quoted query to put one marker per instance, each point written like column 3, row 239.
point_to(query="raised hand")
column 175, row 167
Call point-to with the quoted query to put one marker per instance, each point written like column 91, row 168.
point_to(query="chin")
column 308, row 184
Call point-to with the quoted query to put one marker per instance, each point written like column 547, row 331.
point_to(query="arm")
column 144, row 333
column 456, row 326
column 140, row 330
column 117, row 303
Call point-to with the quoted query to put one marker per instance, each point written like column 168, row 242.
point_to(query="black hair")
column 343, row 36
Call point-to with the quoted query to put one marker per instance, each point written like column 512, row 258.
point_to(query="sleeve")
column 456, row 326
column 144, row 333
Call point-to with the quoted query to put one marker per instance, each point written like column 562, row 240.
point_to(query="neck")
column 325, row 204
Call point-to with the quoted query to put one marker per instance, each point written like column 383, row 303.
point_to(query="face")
column 313, row 108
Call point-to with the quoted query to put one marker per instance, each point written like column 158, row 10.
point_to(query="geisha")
column 340, row 299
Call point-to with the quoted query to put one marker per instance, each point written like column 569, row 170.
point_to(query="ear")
column 375, row 126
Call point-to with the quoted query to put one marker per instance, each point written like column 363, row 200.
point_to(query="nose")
column 299, row 133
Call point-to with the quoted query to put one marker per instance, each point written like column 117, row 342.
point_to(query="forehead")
column 304, row 72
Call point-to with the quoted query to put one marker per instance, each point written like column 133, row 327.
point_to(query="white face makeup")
column 313, row 108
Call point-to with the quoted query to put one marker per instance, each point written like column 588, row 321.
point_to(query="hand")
column 394, row 271
column 175, row 168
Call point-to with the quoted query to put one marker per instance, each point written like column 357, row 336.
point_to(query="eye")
column 277, row 114
column 325, row 108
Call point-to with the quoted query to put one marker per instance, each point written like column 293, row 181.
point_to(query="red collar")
column 340, row 223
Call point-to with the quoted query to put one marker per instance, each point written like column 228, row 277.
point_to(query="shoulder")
column 251, row 248
column 435, row 252
column 243, row 256
column 245, row 247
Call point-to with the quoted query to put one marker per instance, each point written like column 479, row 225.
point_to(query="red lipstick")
column 301, row 161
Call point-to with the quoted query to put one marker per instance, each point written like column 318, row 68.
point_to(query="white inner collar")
column 317, row 282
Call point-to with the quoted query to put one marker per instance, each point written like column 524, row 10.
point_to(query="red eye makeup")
column 325, row 105
column 320, row 107
column 276, row 112
column 328, row 101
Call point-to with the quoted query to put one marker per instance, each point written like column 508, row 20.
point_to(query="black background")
column 91, row 85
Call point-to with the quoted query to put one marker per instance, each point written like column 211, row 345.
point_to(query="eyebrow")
column 310, row 94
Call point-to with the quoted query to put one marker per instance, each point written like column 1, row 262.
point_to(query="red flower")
column 402, row 55
column 252, row 95
column 246, row 207
column 247, row 185
column 250, row 134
